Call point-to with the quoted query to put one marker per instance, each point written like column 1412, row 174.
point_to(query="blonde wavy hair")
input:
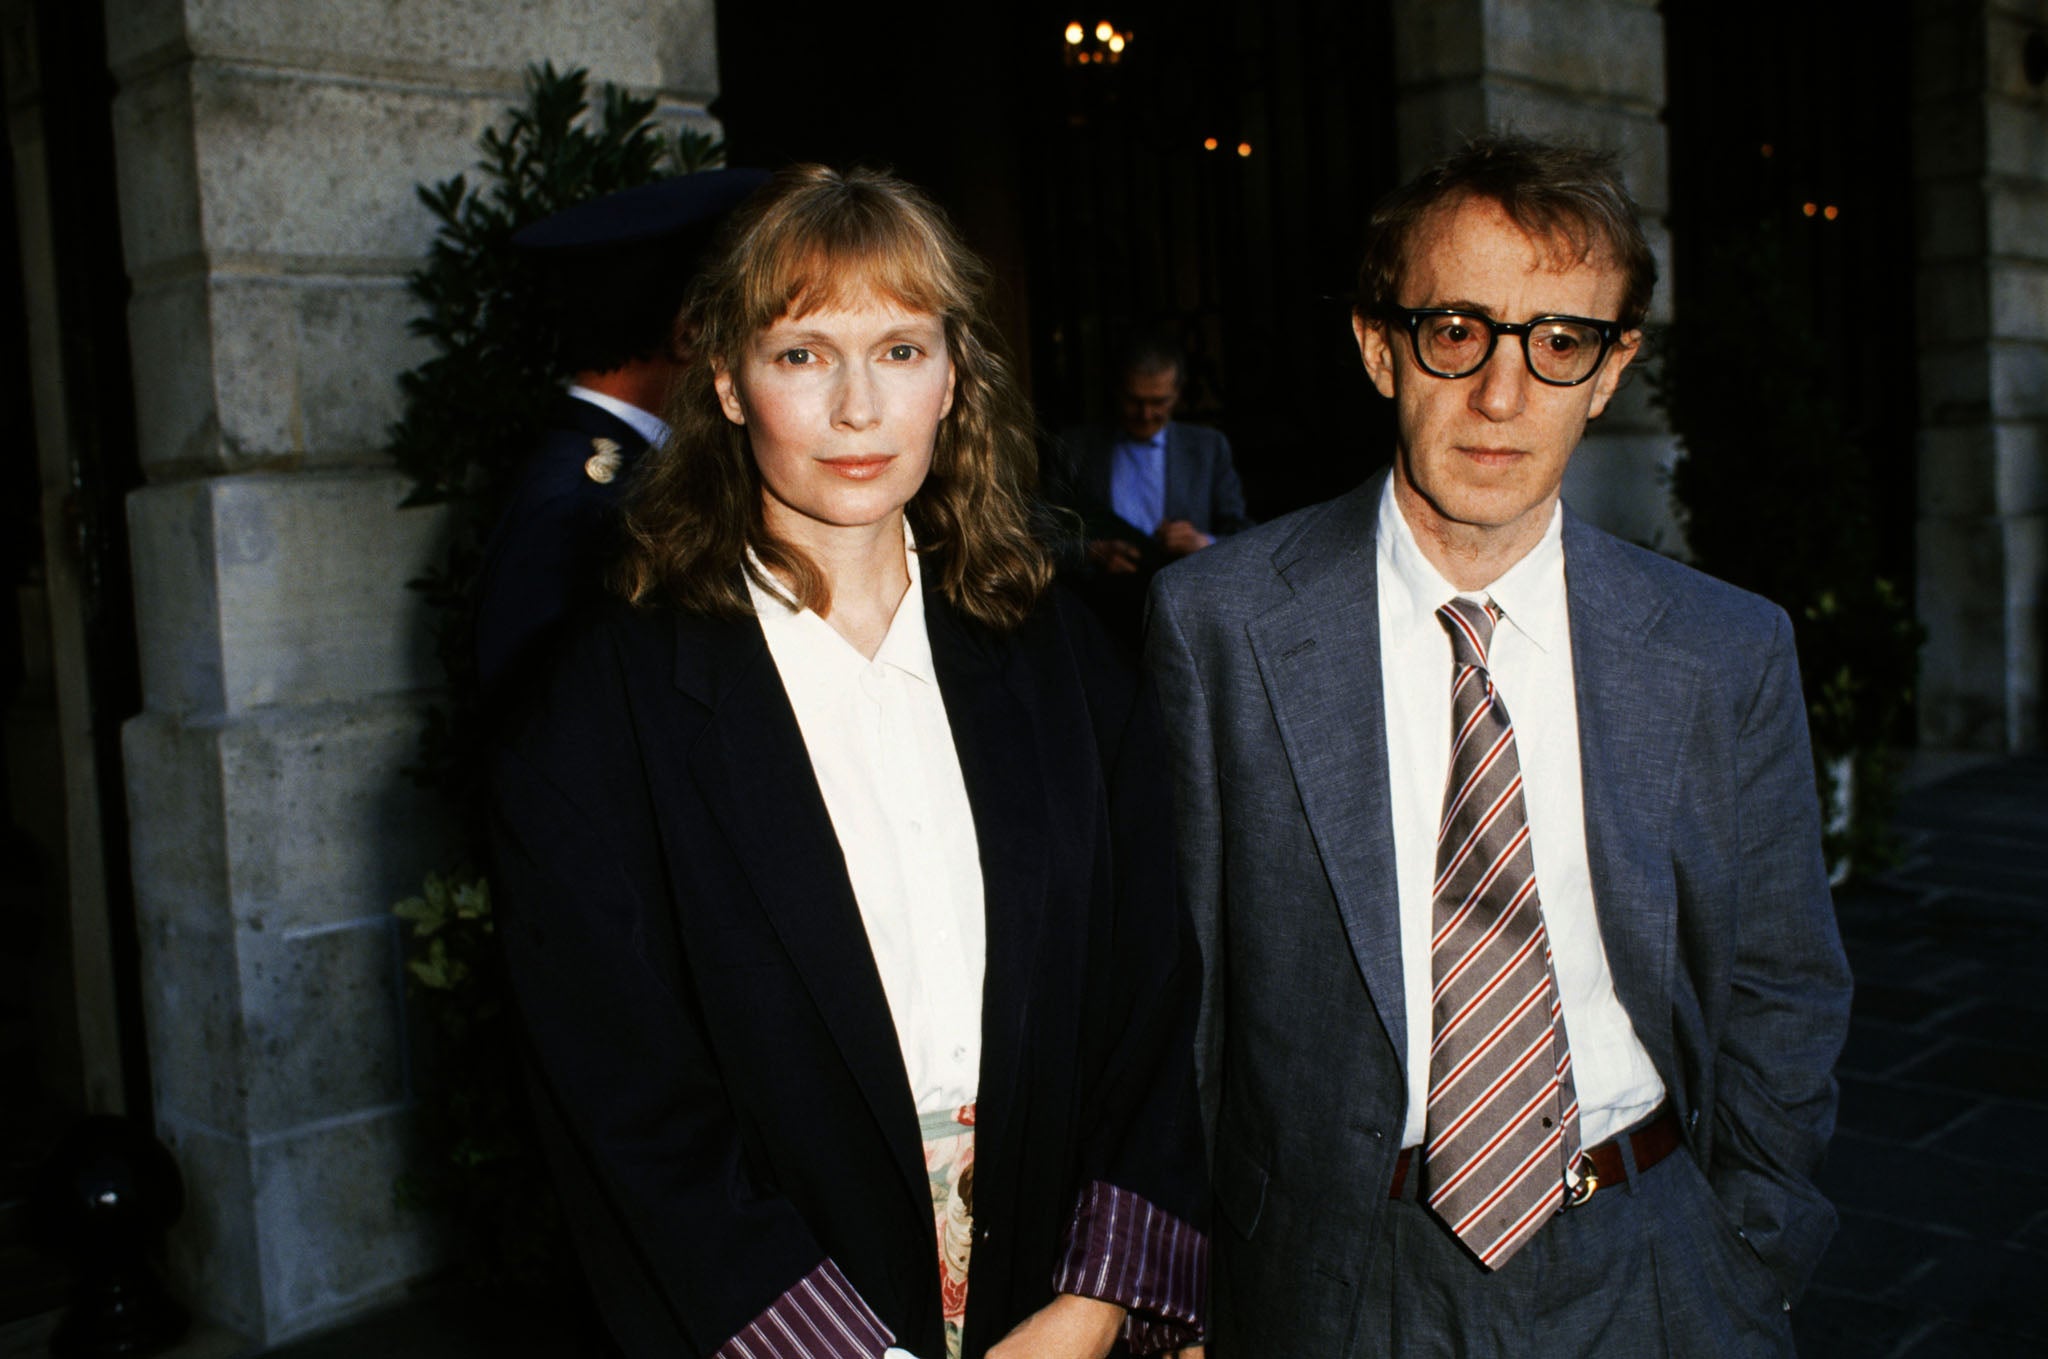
column 816, row 238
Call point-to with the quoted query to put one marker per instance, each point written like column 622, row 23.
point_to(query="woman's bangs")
column 828, row 276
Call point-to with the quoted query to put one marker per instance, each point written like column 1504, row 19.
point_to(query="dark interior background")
column 1828, row 92
column 42, row 1075
column 1089, row 188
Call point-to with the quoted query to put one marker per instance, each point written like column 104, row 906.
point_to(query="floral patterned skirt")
column 949, row 1160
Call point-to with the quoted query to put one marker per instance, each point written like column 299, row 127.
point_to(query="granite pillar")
column 268, row 153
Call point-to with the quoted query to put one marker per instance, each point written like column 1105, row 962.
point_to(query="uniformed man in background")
column 616, row 270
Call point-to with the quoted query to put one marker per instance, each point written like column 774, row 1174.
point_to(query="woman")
column 836, row 879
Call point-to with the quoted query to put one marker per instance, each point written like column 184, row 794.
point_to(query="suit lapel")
column 994, row 735
column 1319, row 656
column 1101, row 451
column 1175, row 492
column 1635, row 699
column 756, row 777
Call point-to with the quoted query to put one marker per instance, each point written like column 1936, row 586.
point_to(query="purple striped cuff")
column 1123, row 1250
column 820, row 1317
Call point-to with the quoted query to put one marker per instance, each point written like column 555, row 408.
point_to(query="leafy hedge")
column 1775, row 496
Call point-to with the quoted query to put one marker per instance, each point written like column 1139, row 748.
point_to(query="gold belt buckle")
column 1580, row 1179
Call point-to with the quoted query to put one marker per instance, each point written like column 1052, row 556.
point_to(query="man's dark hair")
column 1153, row 352
column 1568, row 194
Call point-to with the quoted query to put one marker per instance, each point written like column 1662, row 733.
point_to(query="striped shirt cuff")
column 820, row 1317
column 1123, row 1250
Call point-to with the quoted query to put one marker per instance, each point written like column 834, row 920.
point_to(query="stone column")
column 268, row 152
column 1589, row 71
column 1980, row 162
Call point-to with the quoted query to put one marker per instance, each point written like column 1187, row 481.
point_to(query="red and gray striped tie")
column 1503, row 1119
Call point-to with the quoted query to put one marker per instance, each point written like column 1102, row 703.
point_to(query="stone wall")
column 267, row 156
column 1581, row 70
column 1980, row 160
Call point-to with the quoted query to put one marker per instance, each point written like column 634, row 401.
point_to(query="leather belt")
column 1600, row 1166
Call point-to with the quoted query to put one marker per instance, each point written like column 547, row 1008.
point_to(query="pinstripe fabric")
column 1503, row 1122
column 819, row 1317
column 1122, row 1249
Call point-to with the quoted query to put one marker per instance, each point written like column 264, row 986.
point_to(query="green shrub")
column 1775, row 496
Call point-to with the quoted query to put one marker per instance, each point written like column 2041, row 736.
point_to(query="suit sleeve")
column 525, row 584
column 1226, row 494
column 686, row 1254
column 1137, row 1235
column 1076, row 480
column 1184, row 708
column 1789, row 1004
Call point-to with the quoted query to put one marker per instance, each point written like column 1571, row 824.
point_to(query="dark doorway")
column 68, row 671
column 1093, row 188
column 1791, row 122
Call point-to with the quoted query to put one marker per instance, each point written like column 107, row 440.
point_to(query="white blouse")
column 882, row 750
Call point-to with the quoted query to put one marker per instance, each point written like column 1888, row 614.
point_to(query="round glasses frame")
column 1413, row 317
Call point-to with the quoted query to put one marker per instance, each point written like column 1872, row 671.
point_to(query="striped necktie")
column 1503, row 1120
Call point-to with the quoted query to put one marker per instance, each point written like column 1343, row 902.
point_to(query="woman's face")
column 842, row 406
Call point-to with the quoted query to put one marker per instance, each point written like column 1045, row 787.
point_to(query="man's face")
column 1479, row 460
column 1148, row 400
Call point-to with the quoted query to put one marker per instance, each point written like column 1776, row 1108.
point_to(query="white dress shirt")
column 1531, row 663
column 882, row 750
column 646, row 424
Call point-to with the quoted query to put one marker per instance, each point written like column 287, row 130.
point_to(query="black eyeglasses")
column 1560, row 350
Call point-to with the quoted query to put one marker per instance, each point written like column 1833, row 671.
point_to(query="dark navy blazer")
column 550, row 546
column 720, row 1079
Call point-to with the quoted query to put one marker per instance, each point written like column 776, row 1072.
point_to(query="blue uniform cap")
column 612, row 272
column 644, row 215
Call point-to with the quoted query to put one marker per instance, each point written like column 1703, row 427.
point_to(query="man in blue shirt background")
column 1149, row 489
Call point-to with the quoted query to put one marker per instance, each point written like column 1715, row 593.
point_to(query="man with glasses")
column 1522, row 984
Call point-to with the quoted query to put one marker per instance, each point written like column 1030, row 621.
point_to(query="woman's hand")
column 1068, row 1327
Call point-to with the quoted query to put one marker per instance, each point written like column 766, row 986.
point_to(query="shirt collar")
column 1531, row 593
column 906, row 646
column 646, row 424
column 1157, row 441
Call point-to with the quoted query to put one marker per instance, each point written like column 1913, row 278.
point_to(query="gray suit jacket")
column 1201, row 480
column 1703, row 838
